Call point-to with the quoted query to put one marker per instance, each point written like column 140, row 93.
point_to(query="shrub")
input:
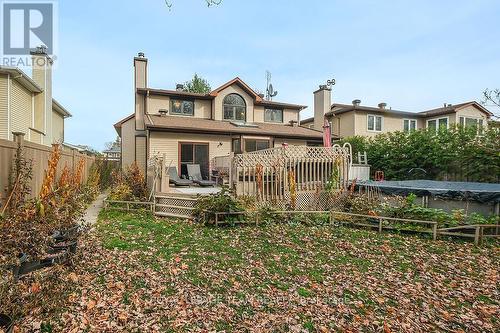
column 451, row 154
column 129, row 185
column 220, row 202
column 121, row 192
column 134, row 178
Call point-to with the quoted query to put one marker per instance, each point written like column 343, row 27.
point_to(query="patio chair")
column 194, row 173
column 176, row 180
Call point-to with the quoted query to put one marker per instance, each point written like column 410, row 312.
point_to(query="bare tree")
column 491, row 98
column 208, row 2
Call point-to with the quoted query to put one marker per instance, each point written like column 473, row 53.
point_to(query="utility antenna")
column 270, row 93
column 330, row 83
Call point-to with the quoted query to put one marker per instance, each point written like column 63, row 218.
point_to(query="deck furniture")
column 176, row 180
column 194, row 173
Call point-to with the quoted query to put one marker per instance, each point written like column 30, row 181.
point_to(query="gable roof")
column 455, row 108
column 185, row 94
column 337, row 108
column 200, row 125
column 241, row 84
column 24, row 79
column 118, row 125
column 56, row 106
column 343, row 108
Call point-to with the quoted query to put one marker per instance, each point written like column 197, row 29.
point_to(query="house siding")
column 168, row 143
column 128, row 143
column 471, row 112
column 21, row 110
column 202, row 108
column 233, row 89
column 291, row 142
column 57, row 127
column 343, row 124
column 3, row 107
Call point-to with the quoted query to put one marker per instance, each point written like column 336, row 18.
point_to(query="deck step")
column 172, row 206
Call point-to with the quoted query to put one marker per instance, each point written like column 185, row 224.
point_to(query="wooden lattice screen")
column 295, row 177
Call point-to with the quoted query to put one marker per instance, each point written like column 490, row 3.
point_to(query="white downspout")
column 45, row 104
column 9, row 115
column 32, row 125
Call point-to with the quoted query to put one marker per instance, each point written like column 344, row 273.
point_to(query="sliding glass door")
column 194, row 153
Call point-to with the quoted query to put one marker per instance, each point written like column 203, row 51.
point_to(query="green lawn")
column 143, row 274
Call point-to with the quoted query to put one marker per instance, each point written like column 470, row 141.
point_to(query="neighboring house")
column 194, row 128
column 27, row 106
column 114, row 153
column 355, row 119
column 83, row 149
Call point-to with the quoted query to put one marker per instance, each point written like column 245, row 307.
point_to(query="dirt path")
column 90, row 216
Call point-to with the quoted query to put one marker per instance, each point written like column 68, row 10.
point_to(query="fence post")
column 73, row 150
column 19, row 139
column 476, row 236
column 379, row 224
column 434, row 231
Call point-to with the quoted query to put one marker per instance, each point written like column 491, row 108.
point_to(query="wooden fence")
column 39, row 155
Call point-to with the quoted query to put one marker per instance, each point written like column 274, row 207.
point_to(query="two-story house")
column 27, row 106
column 355, row 119
column 192, row 128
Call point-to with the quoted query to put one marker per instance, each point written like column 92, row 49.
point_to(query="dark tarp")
column 481, row 192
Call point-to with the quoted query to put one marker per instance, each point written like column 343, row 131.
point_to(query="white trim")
column 32, row 125
column 45, row 101
column 9, row 108
column 437, row 122
column 409, row 124
column 375, row 123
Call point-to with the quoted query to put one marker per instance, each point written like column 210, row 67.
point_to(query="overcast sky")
column 413, row 55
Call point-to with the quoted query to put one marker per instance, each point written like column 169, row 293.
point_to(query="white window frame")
column 470, row 117
column 437, row 122
column 409, row 124
column 375, row 123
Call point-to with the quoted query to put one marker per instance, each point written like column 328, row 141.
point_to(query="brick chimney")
column 42, row 75
column 322, row 105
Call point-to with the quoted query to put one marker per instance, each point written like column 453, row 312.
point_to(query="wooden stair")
column 172, row 205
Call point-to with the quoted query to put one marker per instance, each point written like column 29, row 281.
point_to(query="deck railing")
column 292, row 175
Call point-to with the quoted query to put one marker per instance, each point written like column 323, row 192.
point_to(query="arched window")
column 234, row 107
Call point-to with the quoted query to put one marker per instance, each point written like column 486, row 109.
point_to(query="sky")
column 413, row 55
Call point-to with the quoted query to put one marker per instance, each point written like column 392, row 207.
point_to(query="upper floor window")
column 234, row 107
column 181, row 107
column 409, row 125
column 374, row 123
column 273, row 115
column 435, row 124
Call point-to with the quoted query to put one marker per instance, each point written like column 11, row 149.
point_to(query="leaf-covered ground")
column 141, row 274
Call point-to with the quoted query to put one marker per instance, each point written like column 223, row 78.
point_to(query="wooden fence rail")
column 39, row 155
column 477, row 231
column 128, row 205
